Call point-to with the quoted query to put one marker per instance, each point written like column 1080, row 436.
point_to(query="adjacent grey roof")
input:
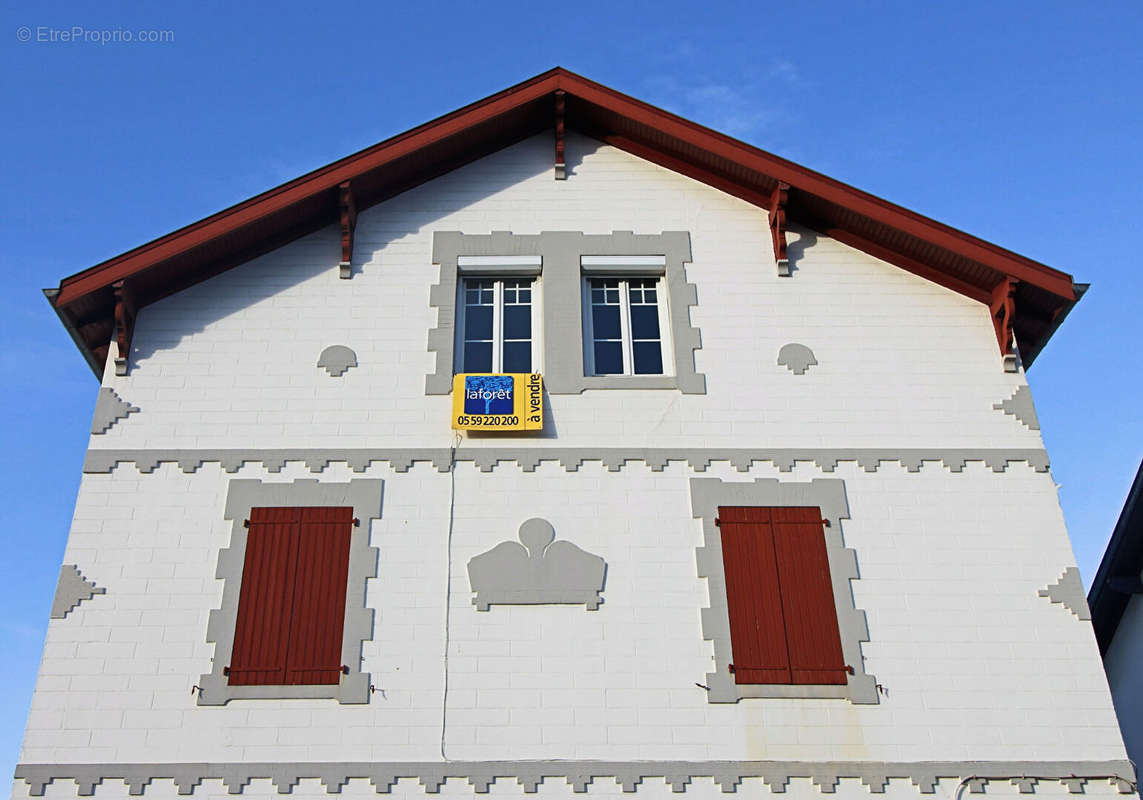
column 1118, row 576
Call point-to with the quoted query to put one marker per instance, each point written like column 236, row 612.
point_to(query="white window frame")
column 666, row 348
column 498, row 317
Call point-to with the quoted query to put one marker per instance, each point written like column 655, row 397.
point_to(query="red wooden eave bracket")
column 779, row 199
column 561, row 104
column 347, row 207
column 1003, row 310
column 125, row 311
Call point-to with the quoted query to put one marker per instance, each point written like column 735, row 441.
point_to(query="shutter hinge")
column 356, row 522
column 245, row 523
column 717, row 522
column 226, row 671
column 850, row 670
column 344, row 669
column 730, row 668
column 825, row 522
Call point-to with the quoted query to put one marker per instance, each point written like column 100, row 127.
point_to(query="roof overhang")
column 1118, row 577
column 88, row 301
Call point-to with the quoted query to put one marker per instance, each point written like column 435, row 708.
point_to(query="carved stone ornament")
column 541, row 571
column 337, row 359
column 796, row 357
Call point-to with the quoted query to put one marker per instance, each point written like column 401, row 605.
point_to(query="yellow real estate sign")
column 489, row 402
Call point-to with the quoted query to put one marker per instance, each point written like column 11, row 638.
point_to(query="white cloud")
column 756, row 104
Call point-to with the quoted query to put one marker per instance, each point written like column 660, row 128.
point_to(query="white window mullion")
column 625, row 328
column 498, row 326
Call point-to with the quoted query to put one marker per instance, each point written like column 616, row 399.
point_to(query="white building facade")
column 807, row 539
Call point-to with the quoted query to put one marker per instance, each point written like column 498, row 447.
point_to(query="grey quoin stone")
column 109, row 409
column 72, row 590
column 1068, row 592
column 1020, row 406
column 336, row 359
column 540, row 572
column 796, row 357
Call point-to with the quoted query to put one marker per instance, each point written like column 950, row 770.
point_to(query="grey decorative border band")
column 875, row 775
column 828, row 494
column 242, row 495
column 571, row 458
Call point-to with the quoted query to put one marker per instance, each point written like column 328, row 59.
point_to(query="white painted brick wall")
column 975, row 664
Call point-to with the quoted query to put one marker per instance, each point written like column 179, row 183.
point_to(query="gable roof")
column 978, row 269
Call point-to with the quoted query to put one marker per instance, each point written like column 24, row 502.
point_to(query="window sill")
column 630, row 382
column 352, row 689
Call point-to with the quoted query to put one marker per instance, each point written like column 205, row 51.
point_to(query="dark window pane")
column 605, row 322
column 517, row 356
column 517, row 322
column 478, row 356
column 648, row 358
column 644, row 322
column 608, row 358
column 478, row 322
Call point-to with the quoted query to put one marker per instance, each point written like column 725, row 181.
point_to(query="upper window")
column 624, row 326
column 291, row 607
column 497, row 325
column 783, row 619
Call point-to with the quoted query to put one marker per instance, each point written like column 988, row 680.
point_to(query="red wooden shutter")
column 807, row 597
column 265, row 602
column 753, row 596
column 291, row 607
column 314, row 655
column 783, row 621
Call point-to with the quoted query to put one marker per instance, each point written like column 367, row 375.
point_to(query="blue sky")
column 1019, row 122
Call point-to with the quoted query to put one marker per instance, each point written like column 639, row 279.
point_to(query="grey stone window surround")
column 707, row 494
column 561, row 291
column 364, row 495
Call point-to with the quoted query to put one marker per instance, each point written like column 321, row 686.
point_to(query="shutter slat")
column 807, row 597
column 757, row 631
column 314, row 655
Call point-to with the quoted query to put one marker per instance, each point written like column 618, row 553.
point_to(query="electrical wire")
column 448, row 584
column 966, row 781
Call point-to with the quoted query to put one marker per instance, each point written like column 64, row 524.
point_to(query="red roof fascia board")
column 827, row 188
column 319, row 180
column 691, row 133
